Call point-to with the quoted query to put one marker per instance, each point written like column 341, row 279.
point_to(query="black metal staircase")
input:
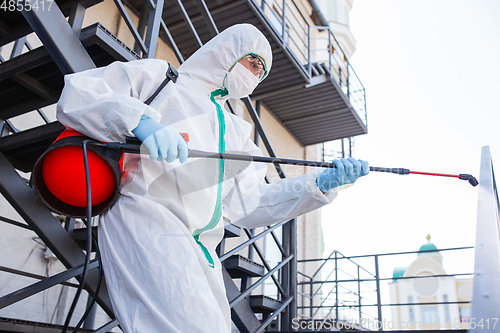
column 303, row 96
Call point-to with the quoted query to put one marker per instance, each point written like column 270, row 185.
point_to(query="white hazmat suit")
column 158, row 240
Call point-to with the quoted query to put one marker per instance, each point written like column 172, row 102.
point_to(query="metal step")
column 231, row 230
column 80, row 237
column 22, row 149
column 29, row 82
column 104, row 47
column 318, row 69
column 13, row 25
column 241, row 313
column 32, row 80
column 264, row 304
column 238, row 266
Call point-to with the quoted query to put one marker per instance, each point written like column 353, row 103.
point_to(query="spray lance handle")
column 133, row 145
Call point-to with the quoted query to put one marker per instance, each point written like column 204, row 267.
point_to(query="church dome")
column 427, row 247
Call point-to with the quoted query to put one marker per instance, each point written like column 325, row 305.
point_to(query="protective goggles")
column 259, row 69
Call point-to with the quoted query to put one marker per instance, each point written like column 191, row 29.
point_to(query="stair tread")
column 32, row 80
column 231, row 230
column 238, row 266
column 23, row 148
column 262, row 303
column 80, row 237
column 16, row 26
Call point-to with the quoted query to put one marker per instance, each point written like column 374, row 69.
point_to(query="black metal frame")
column 60, row 39
column 315, row 286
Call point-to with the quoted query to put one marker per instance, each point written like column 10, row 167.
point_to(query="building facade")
column 429, row 299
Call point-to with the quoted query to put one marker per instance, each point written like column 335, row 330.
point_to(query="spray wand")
column 135, row 148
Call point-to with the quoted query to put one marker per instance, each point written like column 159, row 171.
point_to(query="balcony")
column 312, row 88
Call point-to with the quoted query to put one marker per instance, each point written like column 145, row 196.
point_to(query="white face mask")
column 240, row 82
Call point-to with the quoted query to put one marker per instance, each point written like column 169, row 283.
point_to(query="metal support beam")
column 486, row 291
column 337, row 288
column 153, row 30
column 379, row 297
column 178, row 54
column 76, row 18
column 130, row 25
column 35, row 86
column 90, row 320
column 4, row 29
column 249, row 290
column 264, row 262
column 44, row 117
column 189, row 23
column 262, row 133
column 274, row 315
column 47, row 283
column 107, row 327
column 360, row 314
column 241, row 313
column 209, row 21
column 289, row 273
column 18, row 47
column 31, row 275
column 4, row 128
column 141, row 27
column 59, row 39
column 40, row 219
column 257, row 112
column 18, row 224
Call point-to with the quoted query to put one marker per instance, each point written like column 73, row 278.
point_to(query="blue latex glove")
column 347, row 172
column 163, row 142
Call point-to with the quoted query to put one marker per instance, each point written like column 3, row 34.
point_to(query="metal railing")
column 327, row 51
column 17, row 49
column 341, row 148
column 316, row 50
column 344, row 293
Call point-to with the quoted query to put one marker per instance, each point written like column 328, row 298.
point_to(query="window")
column 430, row 314
column 331, row 10
column 446, row 309
column 412, row 311
column 464, row 314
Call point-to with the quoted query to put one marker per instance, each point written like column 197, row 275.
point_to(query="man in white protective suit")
column 158, row 240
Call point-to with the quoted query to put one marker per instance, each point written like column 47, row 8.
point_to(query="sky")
column 431, row 72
